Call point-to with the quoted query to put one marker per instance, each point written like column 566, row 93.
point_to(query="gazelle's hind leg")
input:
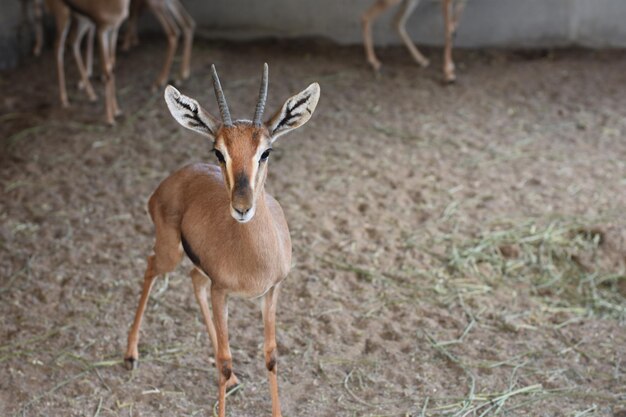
column 188, row 25
column 200, row 285
column 113, row 57
column 172, row 32
column 367, row 19
column 38, row 24
column 131, row 38
column 402, row 16
column 459, row 7
column 167, row 255
column 83, row 26
column 91, row 32
column 62, row 16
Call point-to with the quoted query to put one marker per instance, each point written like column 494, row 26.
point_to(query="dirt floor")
column 457, row 250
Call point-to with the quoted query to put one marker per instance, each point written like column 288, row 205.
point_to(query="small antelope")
column 63, row 16
column 32, row 14
column 233, row 231
column 451, row 15
column 173, row 17
column 107, row 16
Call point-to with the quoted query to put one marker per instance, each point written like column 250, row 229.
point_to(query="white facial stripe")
column 229, row 166
column 255, row 166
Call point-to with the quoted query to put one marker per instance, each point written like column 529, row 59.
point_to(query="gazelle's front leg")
column 113, row 56
column 400, row 21
column 200, row 285
column 107, row 73
column 132, row 353
column 449, row 27
column 224, row 359
column 269, row 323
column 367, row 19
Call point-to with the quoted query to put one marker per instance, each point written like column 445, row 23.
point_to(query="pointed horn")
column 221, row 100
column 260, row 105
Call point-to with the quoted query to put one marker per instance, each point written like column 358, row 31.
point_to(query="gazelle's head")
column 242, row 147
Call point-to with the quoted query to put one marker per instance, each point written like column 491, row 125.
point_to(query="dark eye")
column 219, row 156
column 266, row 154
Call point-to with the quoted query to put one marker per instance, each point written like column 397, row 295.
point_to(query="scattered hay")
column 560, row 262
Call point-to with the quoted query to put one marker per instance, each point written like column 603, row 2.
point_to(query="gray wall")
column 517, row 23
column 13, row 39
column 485, row 23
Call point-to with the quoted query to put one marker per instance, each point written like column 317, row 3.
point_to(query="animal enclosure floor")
column 458, row 250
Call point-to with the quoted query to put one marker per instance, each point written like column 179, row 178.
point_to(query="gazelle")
column 107, row 16
column 63, row 16
column 173, row 18
column 233, row 231
column 32, row 14
column 451, row 15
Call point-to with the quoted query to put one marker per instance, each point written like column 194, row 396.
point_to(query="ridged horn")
column 221, row 100
column 260, row 105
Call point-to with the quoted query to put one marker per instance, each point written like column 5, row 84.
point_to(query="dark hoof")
column 131, row 363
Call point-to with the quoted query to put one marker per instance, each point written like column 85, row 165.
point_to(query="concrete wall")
column 13, row 39
column 485, row 23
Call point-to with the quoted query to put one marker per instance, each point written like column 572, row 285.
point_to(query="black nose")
column 242, row 211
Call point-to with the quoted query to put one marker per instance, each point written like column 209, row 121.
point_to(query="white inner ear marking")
column 296, row 111
column 189, row 113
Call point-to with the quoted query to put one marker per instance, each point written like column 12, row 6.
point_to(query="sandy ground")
column 457, row 250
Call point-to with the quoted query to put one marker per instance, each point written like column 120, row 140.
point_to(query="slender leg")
column 107, row 73
column 89, row 51
column 131, row 26
column 38, row 24
column 224, row 359
column 448, row 64
column 200, row 284
column 400, row 21
column 269, row 323
column 113, row 54
column 459, row 6
column 130, row 36
column 132, row 353
column 366, row 21
column 113, row 34
column 63, row 24
column 172, row 32
column 83, row 26
column 188, row 25
column 167, row 255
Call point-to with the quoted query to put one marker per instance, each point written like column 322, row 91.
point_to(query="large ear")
column 296, row 111
column 188, row 113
